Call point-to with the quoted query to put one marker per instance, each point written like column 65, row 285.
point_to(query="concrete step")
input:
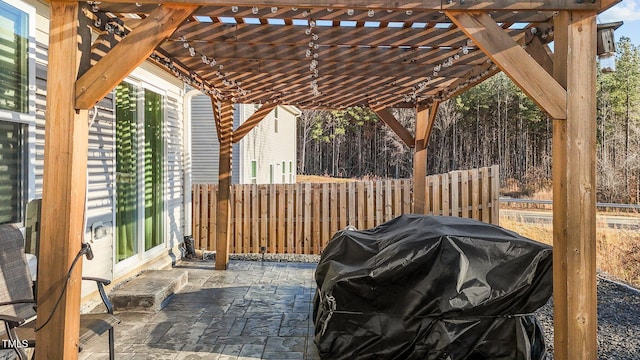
column 150, row 291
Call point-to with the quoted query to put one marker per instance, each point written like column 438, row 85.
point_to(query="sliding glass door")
column 139, row 171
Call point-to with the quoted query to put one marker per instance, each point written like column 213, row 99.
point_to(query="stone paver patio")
column 254, row 310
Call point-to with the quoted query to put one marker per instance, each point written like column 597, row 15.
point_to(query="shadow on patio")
column 253, row 310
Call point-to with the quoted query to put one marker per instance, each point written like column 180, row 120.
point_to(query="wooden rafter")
column 132, row 51
column 541, row 87
column 252, row 121
column 395, row 125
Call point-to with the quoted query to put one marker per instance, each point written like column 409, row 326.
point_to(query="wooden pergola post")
column 223, row 113
column 425, row 118
column 63, row 193
column 574, row 189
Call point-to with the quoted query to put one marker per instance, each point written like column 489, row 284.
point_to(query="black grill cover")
column 431, row 287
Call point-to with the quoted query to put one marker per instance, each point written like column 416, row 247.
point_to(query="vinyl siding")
column 268, row 147
column 262, row 144
column 175, row 170
column 205, row 147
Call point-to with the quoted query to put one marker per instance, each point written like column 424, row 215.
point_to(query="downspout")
column 186, row 161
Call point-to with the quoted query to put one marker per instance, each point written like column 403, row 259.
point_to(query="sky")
column 627, row 11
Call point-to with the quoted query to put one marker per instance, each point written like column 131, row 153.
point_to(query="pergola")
column 327, row 55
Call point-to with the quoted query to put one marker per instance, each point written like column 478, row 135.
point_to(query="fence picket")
column 435, row 194
column 370, row 210
column 212, row 192
column 334, row 214
column 290, row 196
column 475, row 194
column 261, row 197
column 307, row 219
column 360, row 209
column 464, row 187
column 195, row 209
column 406, row 197
column 316, row 216
column 343, row 205
column 273, row 237
column 485, row 200
column 397, row 198
column 324, row 217
column 351, row 204
column 239, row 224
column 379, row 203
column 495, row 194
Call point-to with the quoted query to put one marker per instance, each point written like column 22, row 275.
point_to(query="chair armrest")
column 97, row 280
column 15, row 302
column 13, row 321
column 100, row 283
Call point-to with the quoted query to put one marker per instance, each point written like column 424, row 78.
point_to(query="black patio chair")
column 17, row 303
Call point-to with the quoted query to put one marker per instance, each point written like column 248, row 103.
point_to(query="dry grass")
column 320, row 179
column 618, row 250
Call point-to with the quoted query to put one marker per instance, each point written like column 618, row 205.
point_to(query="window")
column 275, row 120
column 14, row 59
column 254, row 171
column 17, row 107
column 11, row 169
column 291, row 172
column 270, row 173
column 284, row 171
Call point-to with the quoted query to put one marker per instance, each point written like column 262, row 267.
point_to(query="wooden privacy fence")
column 302, row 218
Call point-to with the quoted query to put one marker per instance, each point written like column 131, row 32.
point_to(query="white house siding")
column 262, row 144
column 205, row 149
column 101, row 157
column 175, row 170
column 269, row 147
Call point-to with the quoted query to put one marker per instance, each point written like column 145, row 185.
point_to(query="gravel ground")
column 618, row 321
column 618, row 313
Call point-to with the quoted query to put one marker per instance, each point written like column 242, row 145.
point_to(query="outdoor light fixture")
column 607, row 46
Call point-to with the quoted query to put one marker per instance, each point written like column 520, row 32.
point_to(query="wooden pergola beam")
column 132, row 51
column 541, row 53
column 420, row 5
column 511, row 58
column 252, row 121
column 215, row 106
column 223, row 207
column 395, row 125
column 63, row 193
column 423, row 128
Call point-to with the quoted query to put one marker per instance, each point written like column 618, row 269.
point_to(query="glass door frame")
column 142, row 255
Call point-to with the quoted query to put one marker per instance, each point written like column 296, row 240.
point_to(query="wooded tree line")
column 492, row 123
